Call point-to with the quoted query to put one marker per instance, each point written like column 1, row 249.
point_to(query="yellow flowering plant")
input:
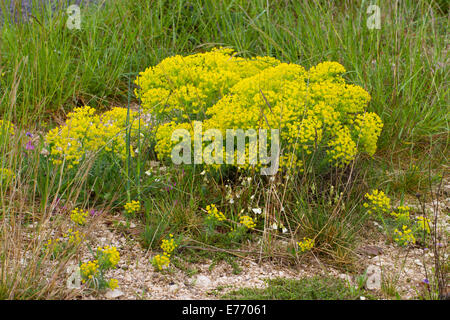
column 377, row 202
column 183, row 87
column 86, row 134
column 247, row 221
column 423, row 224
column 66, row 244
column 404, row 236
column 93, row 272
column 6, row 177
column 319, row 116
column 132, row 207
column 79, row 216
column 108, row 257
column 214, row 218
column 162, row 261
column 6, row 130
column 306, row 244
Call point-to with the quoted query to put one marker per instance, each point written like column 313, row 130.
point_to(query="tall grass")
column 404, row 65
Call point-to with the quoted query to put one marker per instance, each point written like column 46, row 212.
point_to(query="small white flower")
column 148, row 172
column 257, row 210
column 203, row 172
column 274, row 226
column 231, row 201
column 284, row 230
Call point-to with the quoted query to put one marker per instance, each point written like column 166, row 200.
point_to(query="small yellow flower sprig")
column 404, row 237
column 69, row 241
column 132, row 207
column 168, row 246
column 92, row 272
column 7, row 128
column 378, row 202
column 423, row 224
column 74, row 237
column 214, row 213
column 161, row 261
column 6, row 177
column 108, row 256
column 247, row 221
column 306, row 244
column 401, row 214
column 89, row 270
column 54, row 246
column 113, row 283
column 79, row 216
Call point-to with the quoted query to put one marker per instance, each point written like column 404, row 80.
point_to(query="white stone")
column 203, row 281
column 113, row 294
column 373, row 278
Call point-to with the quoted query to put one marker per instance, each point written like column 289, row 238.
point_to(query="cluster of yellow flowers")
column 93, row 271
column 132, row 207
column 86, row 133
column 306, row 244
column 402, row 213
column 113, row 283
column 423, row 224
column 89, row 270
column 247, row 221
column 314, row 110
column 378, row 202
column 69, row 240
column 6, row 128
column 52, row 243
column 74, row 237
column 161, row 261
column 214, row 213
column 168, row 246
column 108, row 256
column 405, row 236
column 183, row 87
column 6, row 176
column 79, row 216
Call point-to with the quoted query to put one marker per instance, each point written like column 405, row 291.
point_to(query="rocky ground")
column 400, row 271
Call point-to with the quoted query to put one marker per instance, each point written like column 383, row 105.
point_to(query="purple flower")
column 29, row 146
column 94, row 212
column 426, row 281
column 29, row 134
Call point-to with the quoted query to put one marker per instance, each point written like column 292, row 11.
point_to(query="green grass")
column 314, row 288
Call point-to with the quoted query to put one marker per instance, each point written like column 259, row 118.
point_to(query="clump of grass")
column 314, row 288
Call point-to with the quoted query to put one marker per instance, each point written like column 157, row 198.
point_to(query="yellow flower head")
column 79, row 216
column 306, row 244
column 247, row 221
column 132, row 207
